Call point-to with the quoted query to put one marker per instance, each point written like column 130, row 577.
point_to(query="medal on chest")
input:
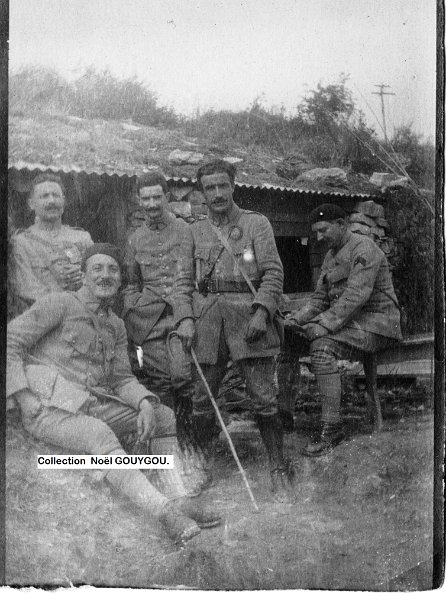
column 235, row 233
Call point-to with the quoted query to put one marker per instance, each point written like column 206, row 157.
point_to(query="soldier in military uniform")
column 151, row 257
column 68, row 369
column 215, row 308
column 352, row 310
column 47, row 256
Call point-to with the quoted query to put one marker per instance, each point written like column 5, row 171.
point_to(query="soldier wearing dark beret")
column 352, row 310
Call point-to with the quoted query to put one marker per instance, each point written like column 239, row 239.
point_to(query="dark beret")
column 107, row 249
column 327, row 212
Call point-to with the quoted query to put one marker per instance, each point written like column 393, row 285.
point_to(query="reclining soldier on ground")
column 68, row 369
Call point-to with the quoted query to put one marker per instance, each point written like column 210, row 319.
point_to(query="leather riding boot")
column 282, row 471
column 183, row 416
column 330, row 436
column 205, row 433
column 191, row 464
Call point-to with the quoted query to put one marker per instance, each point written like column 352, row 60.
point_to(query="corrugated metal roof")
column 21, row 165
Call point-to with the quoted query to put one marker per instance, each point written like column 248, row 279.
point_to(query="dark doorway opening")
column 295, row 257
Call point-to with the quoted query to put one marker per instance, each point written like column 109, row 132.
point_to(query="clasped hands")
column 310, row 330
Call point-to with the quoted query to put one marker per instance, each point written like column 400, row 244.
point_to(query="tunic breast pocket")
column 337, row 280
column 246, row 258
column 338, row 274
column 146, row 262
column 80, row 340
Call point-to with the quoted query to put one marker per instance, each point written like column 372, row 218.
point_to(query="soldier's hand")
column 257, row 325
column 314, row 330
column 72, row 276
column 146, row 421
column 295, row 317
column 186, row 333
column 29, row 402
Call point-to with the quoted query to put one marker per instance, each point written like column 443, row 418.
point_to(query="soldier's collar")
column 41, row 228
column 228, row 218
column 162, row 223
column 93, row 303
column 345, row 238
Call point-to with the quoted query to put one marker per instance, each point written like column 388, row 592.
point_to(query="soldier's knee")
column 323, row 357
column 100, row 439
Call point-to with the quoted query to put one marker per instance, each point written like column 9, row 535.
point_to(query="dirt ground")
column 362, row 520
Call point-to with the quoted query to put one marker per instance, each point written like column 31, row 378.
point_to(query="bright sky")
column 225, row 53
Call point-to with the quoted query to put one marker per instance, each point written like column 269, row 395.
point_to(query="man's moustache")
column 106, row 282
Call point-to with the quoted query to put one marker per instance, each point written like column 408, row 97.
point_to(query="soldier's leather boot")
column 194, row 509
column 282, row 471
column 179, row 527
column 186, row 440
column 205, row 432
column 331, row 435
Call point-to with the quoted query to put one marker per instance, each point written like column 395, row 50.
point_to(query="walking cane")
column 225, row 431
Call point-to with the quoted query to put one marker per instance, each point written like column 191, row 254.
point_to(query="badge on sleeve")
column 360, row 260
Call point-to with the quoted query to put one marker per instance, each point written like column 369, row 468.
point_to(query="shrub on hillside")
column 41, row 89
column 94, row 94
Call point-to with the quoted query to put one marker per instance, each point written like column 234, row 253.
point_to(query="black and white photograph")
column 224, row 309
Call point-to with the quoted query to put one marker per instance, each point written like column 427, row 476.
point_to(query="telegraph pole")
column 382, row 93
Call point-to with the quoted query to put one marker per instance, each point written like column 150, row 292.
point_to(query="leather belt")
column 215, row 286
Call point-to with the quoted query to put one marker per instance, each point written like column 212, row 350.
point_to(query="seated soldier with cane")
column 68, row 369
column 353, row 310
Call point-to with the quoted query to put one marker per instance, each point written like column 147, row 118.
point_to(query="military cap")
column 104, row 248
column 327, row 212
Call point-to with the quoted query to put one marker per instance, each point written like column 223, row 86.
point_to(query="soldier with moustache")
column 47, row 256
column 151, row 258
column 68, row 369
column 216, row 311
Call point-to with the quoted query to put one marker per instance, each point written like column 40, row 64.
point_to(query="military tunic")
column 40, row 259
column 77, row 365
column 251, row 238
column 354, row 293
column 222, row 317
column 151, row 258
